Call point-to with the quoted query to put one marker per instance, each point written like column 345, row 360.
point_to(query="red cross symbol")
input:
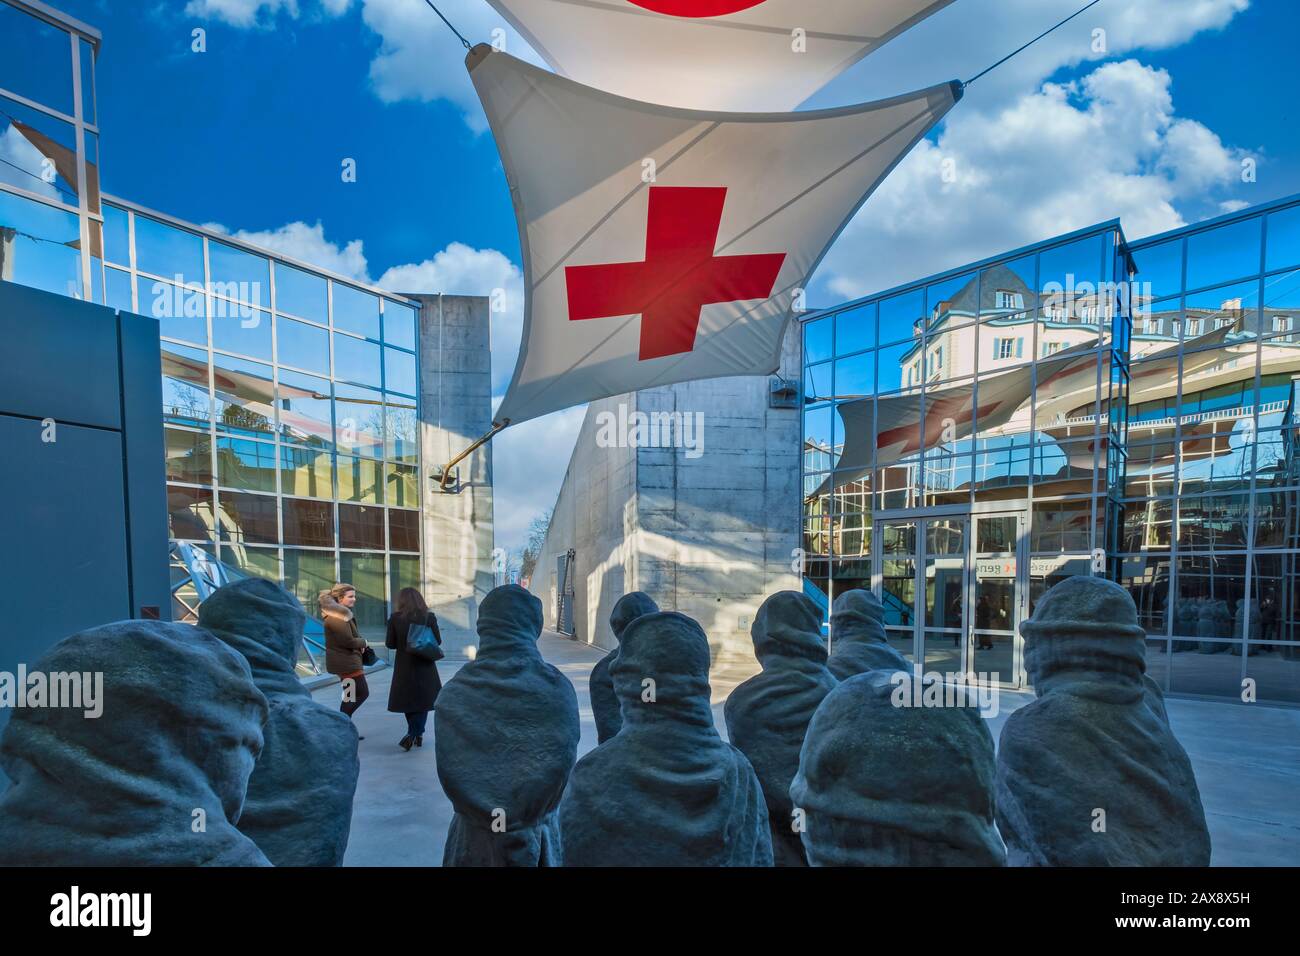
column 697, row 8
column 679, row 275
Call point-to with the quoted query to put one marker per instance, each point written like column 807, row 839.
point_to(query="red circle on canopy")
column 696, row 8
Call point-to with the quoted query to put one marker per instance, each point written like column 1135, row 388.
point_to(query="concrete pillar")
column 456, row 409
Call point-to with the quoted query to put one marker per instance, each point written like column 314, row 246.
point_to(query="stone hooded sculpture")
column 666, row 790
column 858, row 641
column 604, row 702
column 1090, row 774
column 883, row 784
column 768, row 714
column 158, row 778
column 506, row 731
column 299, row 804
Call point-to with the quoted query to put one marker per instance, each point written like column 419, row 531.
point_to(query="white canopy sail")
column 663, row 245
column 735, row 55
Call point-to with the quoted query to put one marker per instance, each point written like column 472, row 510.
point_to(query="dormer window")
column 1006, row 299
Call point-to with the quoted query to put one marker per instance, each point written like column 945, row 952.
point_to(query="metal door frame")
column 1020, row 597
column 1017, row 508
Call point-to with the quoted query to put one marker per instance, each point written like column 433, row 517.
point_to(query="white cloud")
column 1064, row 157
column 297, row 240
column 260, row 13
column 462, row 270
column 966, row 37
column 1033, row 165
column 420, row 59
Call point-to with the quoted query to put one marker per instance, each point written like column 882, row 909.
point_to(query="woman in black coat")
column 416, row 682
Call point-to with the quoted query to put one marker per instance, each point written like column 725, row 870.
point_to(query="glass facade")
column 50, row 212
column 1083, row 406
column 290, row 401
column 1210, row 547
column 291, row 419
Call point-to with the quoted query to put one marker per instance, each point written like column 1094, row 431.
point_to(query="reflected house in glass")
column 1086, row 405
column 291, row 396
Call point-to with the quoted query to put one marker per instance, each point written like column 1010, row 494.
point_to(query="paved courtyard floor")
column 1247, row 762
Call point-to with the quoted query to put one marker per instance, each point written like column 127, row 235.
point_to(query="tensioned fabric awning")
column 734, row 55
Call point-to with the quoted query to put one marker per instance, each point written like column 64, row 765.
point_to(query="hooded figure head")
column 1096, row 737
column 667, row 790
column 858, row 642
column 262, row 621
column 604, row 702
column 671, row 651
column 180, row 732
column 628, row 608
column 506, row 733
column 768, row 714
column 299, row 805
column 1085, row 634
column 788, row 626
column 509, row 622
column 887, row 781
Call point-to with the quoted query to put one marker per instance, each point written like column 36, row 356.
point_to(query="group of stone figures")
column 210, row 751
column 828, row 764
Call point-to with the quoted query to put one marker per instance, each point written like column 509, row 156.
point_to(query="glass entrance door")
column 945, row 582
column 897, row 576
column 923, row 586
column 998, row 582
column 952, row 589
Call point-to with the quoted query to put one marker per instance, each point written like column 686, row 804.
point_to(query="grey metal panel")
column 144, row 464
column 63, row 545
column 60, row 358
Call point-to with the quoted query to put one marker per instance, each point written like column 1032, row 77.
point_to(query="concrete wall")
column 710, row 536
column 595, row 515
column 456, row 409
column 717, row 532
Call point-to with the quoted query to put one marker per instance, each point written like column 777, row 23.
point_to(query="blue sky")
column 252, row 133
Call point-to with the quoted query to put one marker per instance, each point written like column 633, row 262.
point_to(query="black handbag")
column 368, row 656
column 421, row 641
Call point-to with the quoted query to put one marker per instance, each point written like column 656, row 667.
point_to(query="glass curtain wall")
column 1144, row 430
column 1211, row 535
column 290, row 411
column 289, row 397
column 50, row 214
column 961, row 438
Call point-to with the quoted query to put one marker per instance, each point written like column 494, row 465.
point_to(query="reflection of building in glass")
column 290, row 395
column 972, row 438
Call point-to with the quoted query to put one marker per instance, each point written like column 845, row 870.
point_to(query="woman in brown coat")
column 344, row 645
